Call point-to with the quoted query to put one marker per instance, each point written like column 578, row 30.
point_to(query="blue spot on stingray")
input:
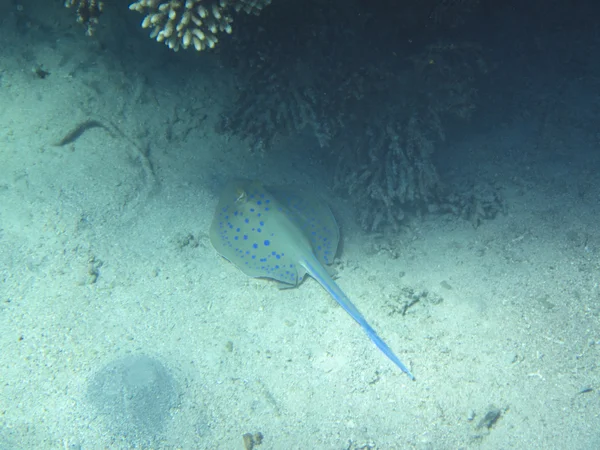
column 261, row 223
column 267, row 243
column 259, row 230
column 236, row 238
column 254, row 245
column 251, row 209
column 277, row 256
column 245, row 237
column 259, row 202
column 237, row 230
column 247, row 220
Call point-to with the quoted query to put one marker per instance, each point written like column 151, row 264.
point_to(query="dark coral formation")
column 88, row 12
column 377, row 119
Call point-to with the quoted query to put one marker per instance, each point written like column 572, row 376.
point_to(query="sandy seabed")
column 121, row 327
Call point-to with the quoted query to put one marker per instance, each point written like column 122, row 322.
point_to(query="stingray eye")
column 241, row 195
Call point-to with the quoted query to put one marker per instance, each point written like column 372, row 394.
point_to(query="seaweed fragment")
column 490, row 418
column 78, row 130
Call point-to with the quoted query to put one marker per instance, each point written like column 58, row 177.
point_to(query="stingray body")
column 283, row 234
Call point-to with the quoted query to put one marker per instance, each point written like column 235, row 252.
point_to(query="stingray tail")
column 318, row 272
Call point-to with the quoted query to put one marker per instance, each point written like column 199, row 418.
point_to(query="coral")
column 475, row 202
column 378, row 130
column 279, row 104
column 88, row 12
column 285, row 81
column 377, row 121
column 192, row 23
column 250, row 6
column 387, row 169
column 177, row 23
column 385, row 165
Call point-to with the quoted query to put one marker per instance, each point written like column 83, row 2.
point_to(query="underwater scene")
column 299, row 224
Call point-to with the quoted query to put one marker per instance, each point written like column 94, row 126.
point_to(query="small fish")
column 283, row 234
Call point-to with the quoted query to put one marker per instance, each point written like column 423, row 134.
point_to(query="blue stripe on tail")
column 318, row 272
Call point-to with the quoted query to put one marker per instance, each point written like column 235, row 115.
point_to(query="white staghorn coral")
column 192, row 23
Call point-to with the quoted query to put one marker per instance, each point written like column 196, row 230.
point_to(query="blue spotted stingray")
column 284, row 235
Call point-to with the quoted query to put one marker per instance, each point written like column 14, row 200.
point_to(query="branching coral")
column 386, row 164
column 388, row 169
column 192, row 23
column 282, row 102
column 378, row 124
column 177, row 23
column 88, row 12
